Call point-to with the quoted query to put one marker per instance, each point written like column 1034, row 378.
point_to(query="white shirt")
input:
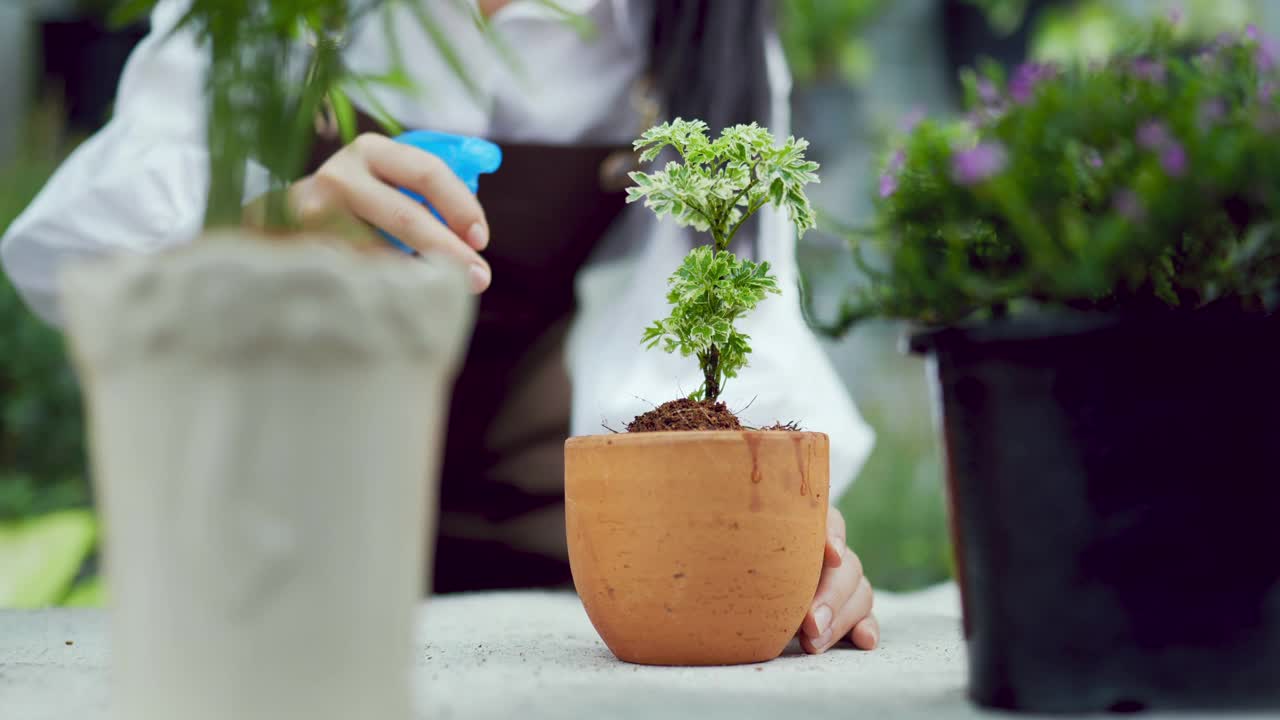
column 140, row 184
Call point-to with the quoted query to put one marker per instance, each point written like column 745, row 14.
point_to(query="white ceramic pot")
column 265, row 426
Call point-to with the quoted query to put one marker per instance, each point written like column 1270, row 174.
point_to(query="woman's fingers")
column 866, row 634
column 362, row 180
column 835, row 587
column 854, row 611
column 833, row 555
column 375, row 202
column 427, row 175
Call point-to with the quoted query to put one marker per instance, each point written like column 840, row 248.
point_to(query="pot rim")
column 236, row 299
column 676, row 437
column 921, row 340
column 1056, row 324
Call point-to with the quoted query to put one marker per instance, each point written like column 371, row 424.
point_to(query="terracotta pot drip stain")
column 802, row 466
column 753, row 447
column 672, row 565
column 816, row 499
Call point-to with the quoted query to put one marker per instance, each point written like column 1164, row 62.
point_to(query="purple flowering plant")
column 1148, row 182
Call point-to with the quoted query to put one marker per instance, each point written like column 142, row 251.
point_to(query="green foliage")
column 895, row 510
column 46, row 530
column 40, row 557
column 42, row 452
column 1004, row 16
column 824, row 39
column 709, row 292
column 715, row 188
column 88, row 593
column 1095, row 29
column 722, row 183
column 1149, row 182
column 260, row 108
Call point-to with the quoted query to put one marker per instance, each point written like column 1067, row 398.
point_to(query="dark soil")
column 686, row 414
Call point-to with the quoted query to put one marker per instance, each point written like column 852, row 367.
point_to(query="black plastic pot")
column 1115, row 503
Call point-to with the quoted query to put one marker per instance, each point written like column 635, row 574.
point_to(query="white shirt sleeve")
column 139, row 185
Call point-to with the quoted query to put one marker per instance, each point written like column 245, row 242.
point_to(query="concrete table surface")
column 529, row 656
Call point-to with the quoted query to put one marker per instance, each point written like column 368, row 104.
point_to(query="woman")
column 568, row 275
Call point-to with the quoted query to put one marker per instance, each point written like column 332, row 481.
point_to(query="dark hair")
column 707, row 59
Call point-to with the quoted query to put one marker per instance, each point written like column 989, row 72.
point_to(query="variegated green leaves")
column 718, row 184
column 707, row 294
column 715, row 187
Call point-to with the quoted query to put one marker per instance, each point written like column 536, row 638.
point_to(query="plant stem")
column 706, row 216
column 227, row 156
column 750, row 211
column 728, row 208
column 711, row 360
column 711, row 374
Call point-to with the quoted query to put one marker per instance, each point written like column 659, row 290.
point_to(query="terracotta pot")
column 265, row 422
column 696, row 548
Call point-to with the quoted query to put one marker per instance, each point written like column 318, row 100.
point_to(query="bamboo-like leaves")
column 275, row 65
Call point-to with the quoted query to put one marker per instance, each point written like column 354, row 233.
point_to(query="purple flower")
column 888, row 185
column 1153, row 135
column 897, row 162
column 1174, row 159
column 1093, row 158
column 1211, row 112
column 1152, row 71
column 985, row 116
column 1268, row 51
column 1128, row 205
column 987, row 92
column 1175, row 15
column 978, row 164
column 889, row 180
column 1027, row 78
column 991, row 106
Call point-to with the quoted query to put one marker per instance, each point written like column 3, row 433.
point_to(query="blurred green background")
column 860, row 66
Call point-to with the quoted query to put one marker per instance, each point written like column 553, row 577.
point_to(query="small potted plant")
column 1091, row 265
column 692, row 539
column 265, row 410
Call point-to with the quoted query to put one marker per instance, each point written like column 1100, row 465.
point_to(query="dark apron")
column 501, row 516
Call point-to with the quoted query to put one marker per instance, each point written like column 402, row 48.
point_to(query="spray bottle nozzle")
column 468, row 158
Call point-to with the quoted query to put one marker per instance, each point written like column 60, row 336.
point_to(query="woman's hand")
column 361, row 180
column 842, row 605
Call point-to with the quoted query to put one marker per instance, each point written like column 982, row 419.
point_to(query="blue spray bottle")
column 468, row 157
